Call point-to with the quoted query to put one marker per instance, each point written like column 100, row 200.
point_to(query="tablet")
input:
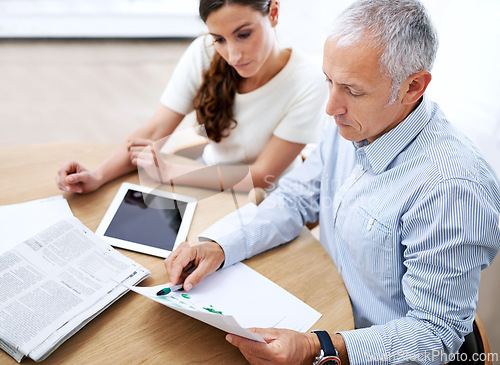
column 147, row 220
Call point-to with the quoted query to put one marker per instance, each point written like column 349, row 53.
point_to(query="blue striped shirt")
column 410, row 220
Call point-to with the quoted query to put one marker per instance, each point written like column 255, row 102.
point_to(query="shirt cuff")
column 365, row 347
column 229, row 233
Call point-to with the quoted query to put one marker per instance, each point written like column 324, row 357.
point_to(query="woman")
column 258, row 102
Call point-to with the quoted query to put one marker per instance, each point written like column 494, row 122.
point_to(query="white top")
column 289, row 106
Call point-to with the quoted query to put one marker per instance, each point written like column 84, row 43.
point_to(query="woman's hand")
column 145, row 154
column 203, row 257
column 75, row 178
column 136, row 146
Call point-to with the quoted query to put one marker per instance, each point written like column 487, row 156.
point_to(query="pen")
column 165, row 291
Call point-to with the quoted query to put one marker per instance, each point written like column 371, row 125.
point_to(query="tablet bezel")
column 140, row 247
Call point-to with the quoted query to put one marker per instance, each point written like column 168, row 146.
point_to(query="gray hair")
column 402, row 29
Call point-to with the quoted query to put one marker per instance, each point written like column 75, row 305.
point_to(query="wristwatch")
column 328, row 354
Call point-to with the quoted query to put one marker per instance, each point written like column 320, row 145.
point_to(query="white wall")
column 99, row 18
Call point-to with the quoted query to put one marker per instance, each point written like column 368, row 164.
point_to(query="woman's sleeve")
column 306, row 115
column 187, row 76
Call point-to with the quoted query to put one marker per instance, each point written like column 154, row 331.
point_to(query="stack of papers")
column 56, row 281
column 19, row 222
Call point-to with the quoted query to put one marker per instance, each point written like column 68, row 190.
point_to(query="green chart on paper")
column 183, row 300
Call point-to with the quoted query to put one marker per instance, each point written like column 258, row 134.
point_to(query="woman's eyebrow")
column 240, row 27
column 234, row 31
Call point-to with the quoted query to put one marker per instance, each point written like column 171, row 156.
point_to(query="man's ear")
column 416, row 85
column 274, row 8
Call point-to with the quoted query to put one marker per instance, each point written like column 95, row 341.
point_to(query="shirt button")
column 369, row 226
column 360, row 167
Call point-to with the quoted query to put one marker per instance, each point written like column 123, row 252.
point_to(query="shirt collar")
column 381, row 152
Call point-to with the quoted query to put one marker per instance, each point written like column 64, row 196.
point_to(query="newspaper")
column 54, row 283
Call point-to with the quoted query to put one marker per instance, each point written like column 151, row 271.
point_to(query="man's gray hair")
column 402, row 29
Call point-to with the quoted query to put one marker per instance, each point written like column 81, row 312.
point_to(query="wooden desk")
column 136, row 330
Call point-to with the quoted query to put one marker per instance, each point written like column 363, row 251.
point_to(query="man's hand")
column 282, row 347
column 203, row 257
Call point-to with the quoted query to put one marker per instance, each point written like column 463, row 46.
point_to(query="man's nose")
column 336, row 103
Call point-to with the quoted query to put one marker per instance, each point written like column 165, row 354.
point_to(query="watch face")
column 330, row 360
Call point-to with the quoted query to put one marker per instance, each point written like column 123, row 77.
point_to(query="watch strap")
column 326, row 343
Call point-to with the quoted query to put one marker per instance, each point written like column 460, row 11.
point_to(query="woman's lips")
column 242, row 65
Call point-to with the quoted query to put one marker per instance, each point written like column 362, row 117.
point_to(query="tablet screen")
column 154, row 222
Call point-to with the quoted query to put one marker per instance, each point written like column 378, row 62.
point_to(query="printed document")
column 236, row 298
column 56, row 282
column 19, row 222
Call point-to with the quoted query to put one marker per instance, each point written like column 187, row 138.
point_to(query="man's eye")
column 352, row 93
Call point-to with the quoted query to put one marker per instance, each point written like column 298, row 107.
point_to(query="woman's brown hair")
column 214, row 100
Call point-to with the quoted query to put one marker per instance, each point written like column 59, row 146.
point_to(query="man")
column 408, row 209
